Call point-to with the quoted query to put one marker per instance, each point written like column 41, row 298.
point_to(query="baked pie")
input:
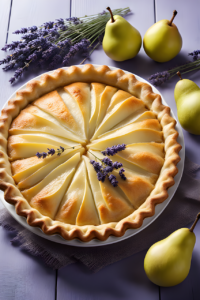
column 83, row 111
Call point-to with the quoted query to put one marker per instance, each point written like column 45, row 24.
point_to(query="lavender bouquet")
column 162, row 77
column 54, row 44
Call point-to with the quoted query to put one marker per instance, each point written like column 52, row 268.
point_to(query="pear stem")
column 172, row 19
column 179, row 74
column 111, row 14
column 195, row 222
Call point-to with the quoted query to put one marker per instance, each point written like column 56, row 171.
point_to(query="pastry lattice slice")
column 48, row 193
column 53, row 104
column 77, row 206
column 96, row 92
column 27, row 145
column 148, row 156
column 79, row 93
column 33, row 119
column 37, row 176
column 118, row 113
column 111, row 205
column 24, row 168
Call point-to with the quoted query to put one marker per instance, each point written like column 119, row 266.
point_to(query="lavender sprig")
column 52, row 151
column 162, row 77
column 54, row 44
column 105, row 168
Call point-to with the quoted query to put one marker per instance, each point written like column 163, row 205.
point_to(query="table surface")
column 23, row 276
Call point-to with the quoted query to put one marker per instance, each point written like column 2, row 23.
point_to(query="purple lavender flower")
column 62, row 148
column 121, row 173
column 101, row 176
column 96, row 165
column 113, row 180
column 39, row 155
column 107, row 161
column 159, row 78
column 117, row 165
column 107, row 170
column 31, row 29
column 50, row 152
column 110, row 151
column 195, row 54
column 10, row 66
column 81, row 46
column 22, row 30
column 48, row 25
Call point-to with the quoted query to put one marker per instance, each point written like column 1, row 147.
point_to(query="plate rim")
column 129, row 232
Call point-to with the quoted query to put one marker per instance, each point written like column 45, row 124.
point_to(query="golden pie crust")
column 154, row 129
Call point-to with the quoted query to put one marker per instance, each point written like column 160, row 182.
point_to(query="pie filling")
column 85, row 119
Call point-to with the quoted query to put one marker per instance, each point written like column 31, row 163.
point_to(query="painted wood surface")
column 187, row 21
column 25, row 277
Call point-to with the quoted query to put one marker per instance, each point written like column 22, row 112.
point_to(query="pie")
column 85, row 110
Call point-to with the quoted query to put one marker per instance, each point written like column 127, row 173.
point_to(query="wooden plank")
column 187, row 21
column 22, row 275
column 4, row 18
column 123, row 280
column 24, row 14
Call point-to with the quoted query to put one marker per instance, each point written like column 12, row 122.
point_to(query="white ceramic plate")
column 130, row 232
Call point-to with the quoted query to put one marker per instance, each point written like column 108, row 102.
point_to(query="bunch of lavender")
column 54, row 44
column 162, row 77
column 105, row 168
column 52, row 151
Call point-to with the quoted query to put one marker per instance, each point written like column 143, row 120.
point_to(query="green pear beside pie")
column 84, row 111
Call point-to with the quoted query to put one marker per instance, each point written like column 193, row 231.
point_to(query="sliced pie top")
column 85, row 118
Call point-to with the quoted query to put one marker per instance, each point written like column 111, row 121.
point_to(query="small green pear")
column 187, row 97
column 121, row 40
column 162, row 41
column 167, row 262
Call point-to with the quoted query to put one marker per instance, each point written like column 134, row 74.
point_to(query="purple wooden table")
column 25, row 277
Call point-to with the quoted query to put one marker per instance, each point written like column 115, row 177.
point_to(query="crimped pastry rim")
column 104, row 74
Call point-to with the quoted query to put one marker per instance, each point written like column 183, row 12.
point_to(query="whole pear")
column 187, row 97
column 121, row 40
column 167, row 262
column 162, row 41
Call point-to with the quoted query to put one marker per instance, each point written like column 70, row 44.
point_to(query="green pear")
column 162, row 41
column 167, row 262
column 121, row 40
column 187, row 97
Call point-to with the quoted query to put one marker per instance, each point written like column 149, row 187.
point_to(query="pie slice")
column 58, row 111
column 80, row 93
column 27, row 145
column 96, row 92
column 117, row 113
column 32, row 119
column 111, row 206
column 48, row 193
